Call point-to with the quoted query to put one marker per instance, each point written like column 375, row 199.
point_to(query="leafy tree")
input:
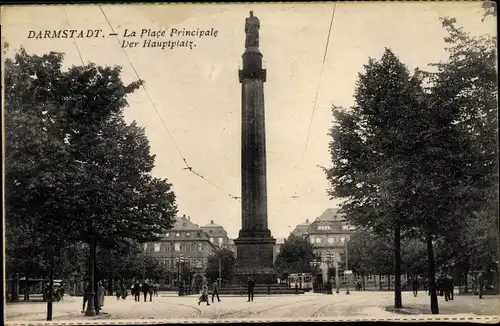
column 456, row 168
column 295, row 255
column 370, row 151
column 226, row 259
column 75, row 171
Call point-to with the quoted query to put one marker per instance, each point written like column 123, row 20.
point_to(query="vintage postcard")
column 332, row 161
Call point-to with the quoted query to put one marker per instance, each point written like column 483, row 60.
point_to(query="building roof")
column 183, row 223
column 330, row 215
column 301, row 229
column 214, row 229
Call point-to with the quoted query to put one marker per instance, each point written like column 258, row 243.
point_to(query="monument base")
column 255, row 259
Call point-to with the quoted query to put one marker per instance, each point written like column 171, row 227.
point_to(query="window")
column 156, row 247
column 221, row 241
column 330, row 240
column 277, row 250
column 318, row 240
column 145, row 247
column 312, row 240
column 200, row 247
column 342, row 240
column 177, row 247
column 178, row 234
column 167, row 234
column 188, row 234
column 212, row 240
column 324, row 227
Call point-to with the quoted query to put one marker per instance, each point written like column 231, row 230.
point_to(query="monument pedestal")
column 255, row 259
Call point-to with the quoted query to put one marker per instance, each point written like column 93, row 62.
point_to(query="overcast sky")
column 198, row 94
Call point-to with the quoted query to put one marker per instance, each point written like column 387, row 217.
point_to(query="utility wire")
column 188, row 167
column 74, row 39
column 320, row 77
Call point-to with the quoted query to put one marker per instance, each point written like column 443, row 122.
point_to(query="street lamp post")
column 313, row 265
column 337, row 281
column 180, row 260
column 347, row 267
column 329, row 260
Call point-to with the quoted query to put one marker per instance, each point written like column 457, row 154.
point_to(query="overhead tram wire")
column 74, row 39
column 188, row 167
column 320, row 77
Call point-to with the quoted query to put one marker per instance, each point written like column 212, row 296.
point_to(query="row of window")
column 188, row 234
column 177, row 246
column 330, row 240
column 173, row 263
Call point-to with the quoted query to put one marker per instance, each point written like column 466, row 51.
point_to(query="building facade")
column 186, row 245
column 328, row 234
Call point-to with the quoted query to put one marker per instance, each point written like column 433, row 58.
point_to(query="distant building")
column 216, row 234
column 328, row 233
column 187, row 240
column 301, row 229
column 277, row 247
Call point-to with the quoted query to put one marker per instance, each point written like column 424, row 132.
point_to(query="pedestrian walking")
column 204, row 294
column 150, row 291
column 251, row 286
column 480, row 279
column 145, row 290
column 156, row 288
column 117, row 290
column 87, row 293
column 215, row 291
column 137, row 291
column 101, row 292
column 414, row 286
column 123, row 290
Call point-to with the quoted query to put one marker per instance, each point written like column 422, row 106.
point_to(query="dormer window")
column 167, row 234
column 178, row 234
column 188, row 234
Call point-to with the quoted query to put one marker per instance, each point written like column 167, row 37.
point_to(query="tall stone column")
column 255, row 244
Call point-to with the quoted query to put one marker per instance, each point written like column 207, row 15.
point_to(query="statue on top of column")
column 252, row 25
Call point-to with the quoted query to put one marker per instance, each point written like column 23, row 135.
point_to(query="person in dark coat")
column 251, row 286
column 150, row 291
column 124, row 291
column 414, row 286
column 137, row 291
column 215, row 291
column 145, row 290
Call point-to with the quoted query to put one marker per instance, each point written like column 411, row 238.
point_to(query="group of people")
column 215, row 291
column 146, row 288
column 98, row 297
column 204, row 293
column 444, row 286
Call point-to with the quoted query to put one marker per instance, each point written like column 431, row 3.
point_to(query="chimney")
column 184, row 215
column 212, row 222
column 189, row 218
column 307, row 220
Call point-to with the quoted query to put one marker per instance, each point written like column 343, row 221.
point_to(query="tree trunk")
column 398, row 301
column 388, row 282
column 363, row 280
column 432, row 275
column 91, row 302
column 50, row 296
column 380, row 282
column 26, row 283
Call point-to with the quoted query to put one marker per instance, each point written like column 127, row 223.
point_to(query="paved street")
column 169, row 306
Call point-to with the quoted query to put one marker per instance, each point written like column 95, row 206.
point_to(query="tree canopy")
column 74, row 167
column 294, row 257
